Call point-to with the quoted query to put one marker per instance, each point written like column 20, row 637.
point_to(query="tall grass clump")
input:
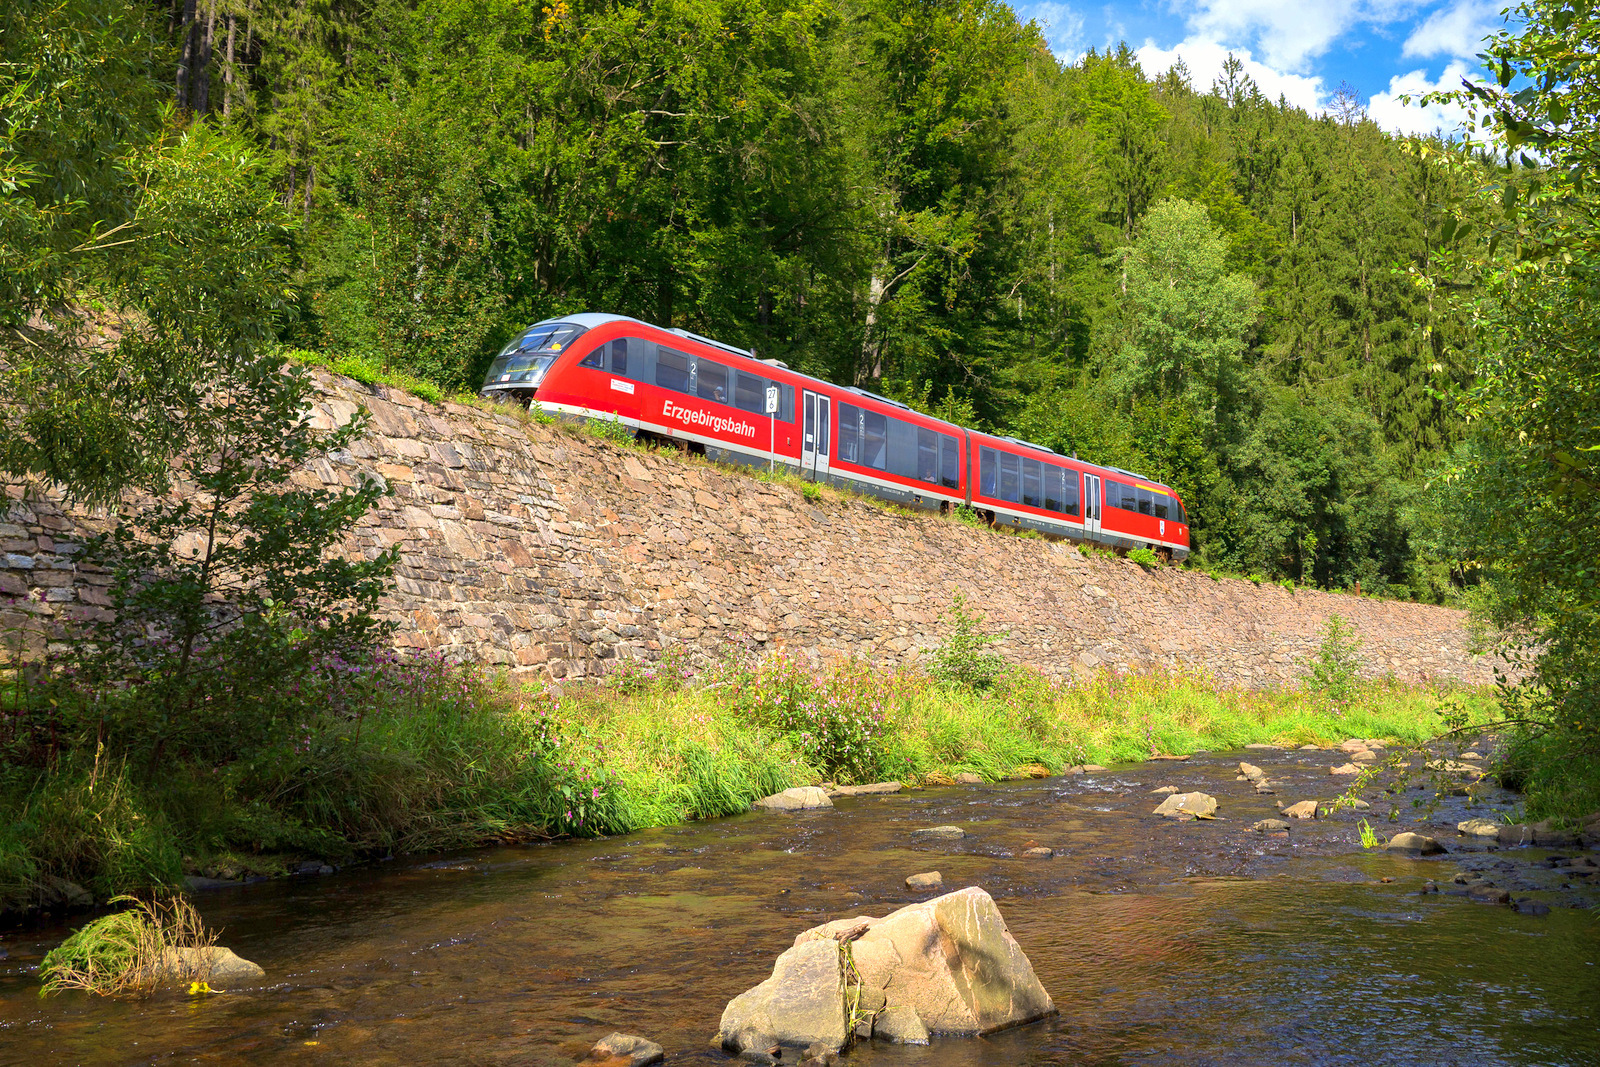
column 129, row 953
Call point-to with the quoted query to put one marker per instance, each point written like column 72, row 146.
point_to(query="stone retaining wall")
column 546, row 550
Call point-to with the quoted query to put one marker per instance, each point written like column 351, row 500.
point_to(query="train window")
column 1054, row 477
column 750, row 394
column 596, row 359
column 849, row 443
column 927, row 456
column 1127, row 497
column 874, row 440
column 1070, row 500
column 1163, row 502
column 902, row 448
column 988, row 470
column 1032, row 494
column 1146, row 501
column 672, row 369
column 711, row 381
column 1183, row 512
column 949, row 461
column 1010, row 477
column 619, row 356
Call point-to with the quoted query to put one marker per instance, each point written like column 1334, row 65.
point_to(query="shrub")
column 965, row 658
column 837, row 718
column 1333, row 670
column 1145, row 557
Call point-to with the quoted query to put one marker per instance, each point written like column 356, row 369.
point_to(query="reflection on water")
column 1162, row 943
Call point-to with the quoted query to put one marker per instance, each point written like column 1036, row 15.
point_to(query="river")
column 1161, row 942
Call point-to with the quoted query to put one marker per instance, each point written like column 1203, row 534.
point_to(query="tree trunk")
column 227, row 68
column 186, row 54
column 201, row 90
column 871, row 365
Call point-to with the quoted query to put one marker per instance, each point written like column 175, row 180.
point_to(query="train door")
column 1091, row 504
column 814, row 442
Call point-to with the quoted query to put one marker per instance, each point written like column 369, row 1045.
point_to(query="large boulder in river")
column 946, row 965
column 1188, row 806
column 950, row 958
column 801, row 1004
column 799, row 798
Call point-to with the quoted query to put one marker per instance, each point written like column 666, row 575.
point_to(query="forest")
column 1211, row 287
column 1360, row 358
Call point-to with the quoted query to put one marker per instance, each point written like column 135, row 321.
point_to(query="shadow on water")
column 1162, row 943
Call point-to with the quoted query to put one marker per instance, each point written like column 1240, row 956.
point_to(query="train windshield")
column 530, row 355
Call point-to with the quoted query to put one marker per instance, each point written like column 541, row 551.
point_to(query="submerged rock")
column 1188, row 805
column 1164, row 790
column 940, row 833
column 623, row 1050
column 926, row 880
column 1040, row 852
column 799, row 798
column 1416, row 844
column 1267, row 826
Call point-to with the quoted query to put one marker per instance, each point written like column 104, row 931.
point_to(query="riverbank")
column 449, row 757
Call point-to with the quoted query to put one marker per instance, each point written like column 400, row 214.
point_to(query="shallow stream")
column 1161, row 942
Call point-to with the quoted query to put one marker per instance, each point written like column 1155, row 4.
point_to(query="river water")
column 1161, row 942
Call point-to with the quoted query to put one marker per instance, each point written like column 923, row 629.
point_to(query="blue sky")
column 1302, row 49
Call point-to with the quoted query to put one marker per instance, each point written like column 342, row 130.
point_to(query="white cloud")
column 1287, row 34
column 1063, row 29
column 1387, row 110
column 1456, row 31
column 1204, row 58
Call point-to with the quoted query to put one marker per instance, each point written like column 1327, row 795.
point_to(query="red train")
column 714, row 398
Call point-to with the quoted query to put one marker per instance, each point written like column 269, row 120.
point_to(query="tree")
column 1535, row 260
column 1185, row 315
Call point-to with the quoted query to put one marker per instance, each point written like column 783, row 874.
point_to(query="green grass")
column 478, row 761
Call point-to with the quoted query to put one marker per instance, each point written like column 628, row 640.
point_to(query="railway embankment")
column 556, row 553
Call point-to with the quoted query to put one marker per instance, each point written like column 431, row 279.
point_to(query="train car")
column 713, row 399
column 1028, row 486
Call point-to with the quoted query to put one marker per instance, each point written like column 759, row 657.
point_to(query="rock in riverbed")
column 1252, row 772
column 940, row 833
column 946, row 965
column 213, row 964
column 968, row 778
column 1478, row 828
column 870, row 789
column 926, row 880
column 1267, row 826
column 799, row 798
column 1415, row 844
column 1305, row 809
column 623, row 1050
column 1188, row 806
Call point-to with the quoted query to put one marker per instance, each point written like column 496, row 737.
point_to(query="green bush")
column 836, row 720
column 965, row 658
column 1145, row 557
column 1334, row 669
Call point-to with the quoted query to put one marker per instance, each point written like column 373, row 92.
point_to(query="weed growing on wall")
column 966, row 658
column 1334, row 667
